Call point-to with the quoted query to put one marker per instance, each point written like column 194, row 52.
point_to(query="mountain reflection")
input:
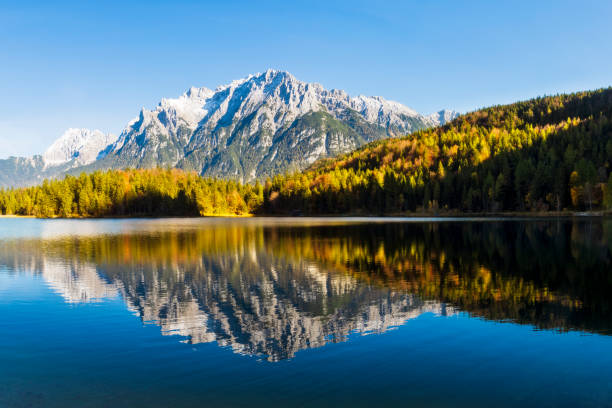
column 275, row 290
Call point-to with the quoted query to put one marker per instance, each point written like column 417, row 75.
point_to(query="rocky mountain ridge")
column 256, row 127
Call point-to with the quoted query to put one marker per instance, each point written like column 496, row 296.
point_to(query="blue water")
column 158, row 313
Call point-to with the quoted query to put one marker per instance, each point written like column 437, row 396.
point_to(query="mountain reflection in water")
column 272, row 290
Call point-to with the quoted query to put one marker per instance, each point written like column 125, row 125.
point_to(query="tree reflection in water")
column 274, row 290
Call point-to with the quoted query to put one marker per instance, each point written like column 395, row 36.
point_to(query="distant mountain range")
column 259, row 126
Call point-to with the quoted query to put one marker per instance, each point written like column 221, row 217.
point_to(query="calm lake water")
column 305, row 312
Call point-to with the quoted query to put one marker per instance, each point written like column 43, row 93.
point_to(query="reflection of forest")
column 552, row 274
column 276, row 290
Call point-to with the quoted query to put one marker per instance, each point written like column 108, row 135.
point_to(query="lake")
column 305, row 312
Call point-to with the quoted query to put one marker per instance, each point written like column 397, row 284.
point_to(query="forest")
column 148, row 192
column 547, row 154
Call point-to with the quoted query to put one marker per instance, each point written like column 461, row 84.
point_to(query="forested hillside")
column 550, row 153
column 153, row 192
column 546, row 154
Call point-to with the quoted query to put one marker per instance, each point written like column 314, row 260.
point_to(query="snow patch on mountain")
column 168, row 117
column 81, row 145
column 188, row 108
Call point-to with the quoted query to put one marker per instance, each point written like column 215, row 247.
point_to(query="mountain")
column 20, row 171
column 78, row 147
column 75, row 148
column 259, row 126
column 443, row 116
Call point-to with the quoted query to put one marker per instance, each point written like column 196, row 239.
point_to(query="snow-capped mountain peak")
column 251, row 128
column 81, row 145
column 256, row 126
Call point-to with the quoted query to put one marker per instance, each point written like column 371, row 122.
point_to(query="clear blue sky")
column 81, row 64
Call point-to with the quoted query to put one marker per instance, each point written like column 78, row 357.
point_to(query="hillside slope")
column 549, row 153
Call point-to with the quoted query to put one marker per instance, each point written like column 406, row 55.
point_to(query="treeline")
column 546, row 154
column 153, row 192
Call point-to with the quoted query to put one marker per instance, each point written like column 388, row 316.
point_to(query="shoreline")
column 510, row 215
